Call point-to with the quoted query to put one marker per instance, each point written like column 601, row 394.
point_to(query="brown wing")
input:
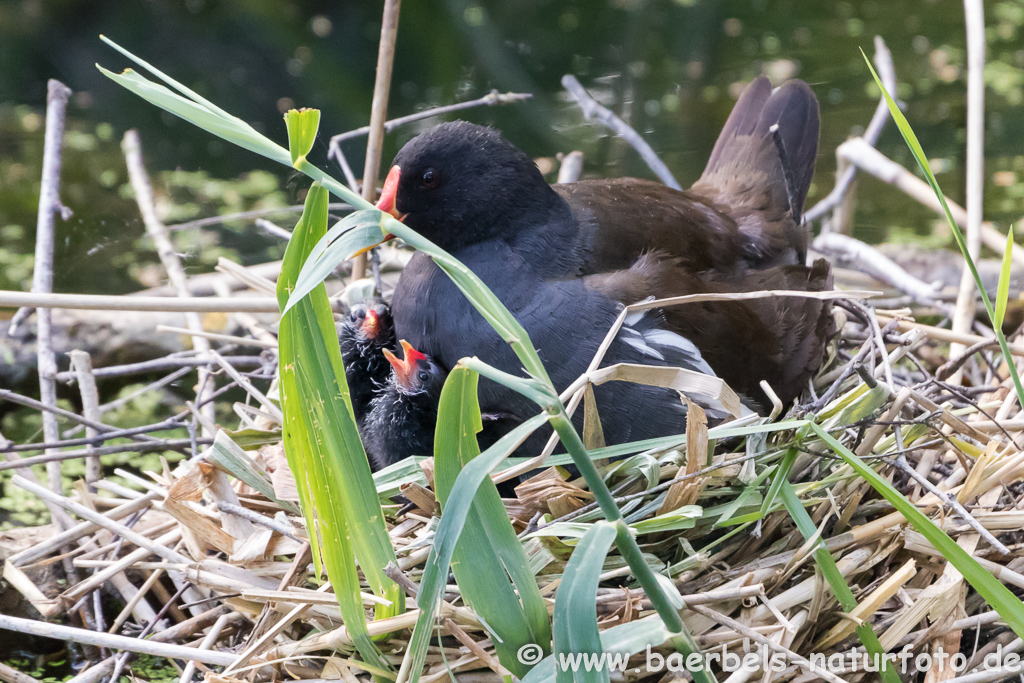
column 622, row 219
column 780, row 340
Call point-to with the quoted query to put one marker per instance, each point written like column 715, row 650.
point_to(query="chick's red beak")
column 405, row 369
column 370, row 324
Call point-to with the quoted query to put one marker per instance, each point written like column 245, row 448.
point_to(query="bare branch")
column 593, row 110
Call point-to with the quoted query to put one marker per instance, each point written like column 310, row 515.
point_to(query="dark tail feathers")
column 746, row 162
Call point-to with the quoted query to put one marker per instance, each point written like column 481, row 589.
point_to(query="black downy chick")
column 403, row 415
column 365, row 333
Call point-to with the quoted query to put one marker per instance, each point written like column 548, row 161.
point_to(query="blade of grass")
column 922, row 161
column 1003, row 293
column 575, row 617
column 1009, row 607
column 841, row 589
column 487, row 553
column 630, row 638
column 435, row 571
column 323, row 447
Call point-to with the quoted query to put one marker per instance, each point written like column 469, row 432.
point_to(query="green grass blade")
column 435, row 571
column 998, row 596
column 487, row 553
column 1003, row 293
column 232, row 130
column 188, row 92
column 323, row 447
column 575, row 617
column 841, row 589
column 922, row 161
column 781, row 475
column 302, row 126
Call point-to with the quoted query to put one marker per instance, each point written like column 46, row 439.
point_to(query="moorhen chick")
column 365, row 332
column 403, row 414
column 564, row 259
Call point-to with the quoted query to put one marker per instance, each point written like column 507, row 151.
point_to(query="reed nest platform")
column 208, row 561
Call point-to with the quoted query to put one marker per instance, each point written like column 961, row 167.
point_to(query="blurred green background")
column 673, row 67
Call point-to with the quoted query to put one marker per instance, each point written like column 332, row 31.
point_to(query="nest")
column 212, row 556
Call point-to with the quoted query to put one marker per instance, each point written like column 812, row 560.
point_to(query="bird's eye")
column 424, row 376
column 430, row 178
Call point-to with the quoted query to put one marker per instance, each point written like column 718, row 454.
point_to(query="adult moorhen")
column 365, row 332
column 403, row 414
column 563, row 259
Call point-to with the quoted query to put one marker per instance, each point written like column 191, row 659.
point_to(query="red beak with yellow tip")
column 405, row 369
column 370, row 323
column 387, row 203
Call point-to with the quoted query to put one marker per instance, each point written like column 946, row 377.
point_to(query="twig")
column 240, row 341
column 748, row 632
column 164, row 364
column 267, row 404
column 954, row 364
column 208, row 642
column 877, row 264
column 94, row 438
column 887, row 73
column 272, row 229
column 378, row 113
column 102, row 302
column 9, row 674
column 951, row 501
column 490, row 99
column 257, row 518
column 963, row 317
column 78, row 635
column 591, row 110
column 82, row 364
column 101, row 521
column 869, row 159
column 249, row 215
column 42, row 273
column 132, row 147
column 60, row 412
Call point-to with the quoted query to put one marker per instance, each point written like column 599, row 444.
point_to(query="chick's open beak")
column 405, row 369
column 387, row 204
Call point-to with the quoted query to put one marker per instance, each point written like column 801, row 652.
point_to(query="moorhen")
column 403, row 414
column 365, row 332
column 564, row 259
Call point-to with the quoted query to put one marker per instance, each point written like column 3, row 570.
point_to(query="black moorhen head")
column 460, row 183
column 402, row 416
column 365, row 332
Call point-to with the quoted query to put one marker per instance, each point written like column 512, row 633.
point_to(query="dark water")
column 673, row 68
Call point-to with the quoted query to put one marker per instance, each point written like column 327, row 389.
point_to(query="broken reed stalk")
column 870, row 160
column 963, row 317
column 378, row 113
column 42, row 273
column 82, row 364
column 132, row 147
